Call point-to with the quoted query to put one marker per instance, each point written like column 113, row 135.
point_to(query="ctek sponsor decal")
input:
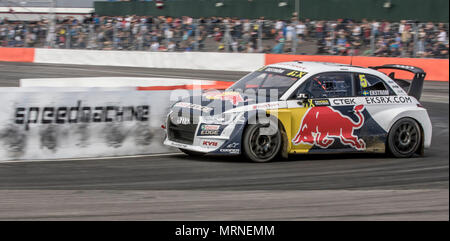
column 80, row 114
column 347, row 101
column 319, row 124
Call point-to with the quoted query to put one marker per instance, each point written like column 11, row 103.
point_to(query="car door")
column 325, row 119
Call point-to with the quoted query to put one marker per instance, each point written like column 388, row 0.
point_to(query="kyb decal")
column 319, row 125
column 210, row 143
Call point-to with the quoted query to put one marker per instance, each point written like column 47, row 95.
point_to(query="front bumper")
column 228, row 142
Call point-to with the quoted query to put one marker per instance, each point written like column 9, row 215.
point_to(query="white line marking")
column 90, row 158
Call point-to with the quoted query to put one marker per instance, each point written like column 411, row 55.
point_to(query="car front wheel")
column 261, row 147
column 404, row 138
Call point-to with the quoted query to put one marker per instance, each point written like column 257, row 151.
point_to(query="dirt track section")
column 176, row 187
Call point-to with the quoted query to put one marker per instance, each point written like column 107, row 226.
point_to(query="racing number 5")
column 362, row 79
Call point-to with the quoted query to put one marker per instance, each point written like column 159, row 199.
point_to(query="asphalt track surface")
column 177, row 187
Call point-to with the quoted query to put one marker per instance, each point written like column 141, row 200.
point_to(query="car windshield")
column 269, row 79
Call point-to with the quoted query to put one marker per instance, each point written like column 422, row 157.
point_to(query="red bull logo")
column 320, row 124
column 233, row 97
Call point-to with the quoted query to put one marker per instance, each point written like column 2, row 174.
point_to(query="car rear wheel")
column 404, row 138
column 259, row 147
column 192, row 153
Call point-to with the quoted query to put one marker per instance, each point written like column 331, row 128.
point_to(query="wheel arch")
column 421, row 149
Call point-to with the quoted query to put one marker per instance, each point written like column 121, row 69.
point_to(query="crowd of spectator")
column 340, row 37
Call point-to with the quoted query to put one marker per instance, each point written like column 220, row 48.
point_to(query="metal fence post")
column 260, row 45
column 227, row 38
column 415, row 38
column 372, row 41
column 294, row 39
column 115, row 39
column 68, row 37
column 196, row 34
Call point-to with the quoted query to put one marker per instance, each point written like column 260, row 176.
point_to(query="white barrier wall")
column 185, row 60
column 53, row 125
column 110, row 82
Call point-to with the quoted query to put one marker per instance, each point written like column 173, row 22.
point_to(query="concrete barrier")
column 185, row 60
column 117, row 82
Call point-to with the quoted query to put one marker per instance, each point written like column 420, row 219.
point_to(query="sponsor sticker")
column 193, row 106
column 274, row 70
column 321, row 126
column 389, row 100
column 265, row 106
column 233, row 145
column 230, row 151
column 344, row 101
column 296, row 74
column 233, row 97
column 285, row 72
column 180, row 120
column 210, row 130
column 323, row 102
column 375, row 92
column 210, row 143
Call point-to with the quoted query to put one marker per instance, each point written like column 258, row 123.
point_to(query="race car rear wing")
column 416, row 85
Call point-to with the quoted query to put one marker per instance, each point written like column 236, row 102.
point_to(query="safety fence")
column 383, row 39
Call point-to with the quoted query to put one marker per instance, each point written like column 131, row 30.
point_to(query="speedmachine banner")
column 56, row 125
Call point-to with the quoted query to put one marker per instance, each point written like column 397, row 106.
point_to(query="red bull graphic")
column 321, row 123
column 233, row 97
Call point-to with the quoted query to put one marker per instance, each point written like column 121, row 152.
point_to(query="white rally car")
column 312, row 108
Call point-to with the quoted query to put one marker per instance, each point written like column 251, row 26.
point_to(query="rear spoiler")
column 416, row 86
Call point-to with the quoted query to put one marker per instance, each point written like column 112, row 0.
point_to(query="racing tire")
column 261, row 148
column 192, row 153
column 404, row 139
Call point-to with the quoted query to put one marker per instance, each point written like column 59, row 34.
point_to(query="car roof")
column 318, row 67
